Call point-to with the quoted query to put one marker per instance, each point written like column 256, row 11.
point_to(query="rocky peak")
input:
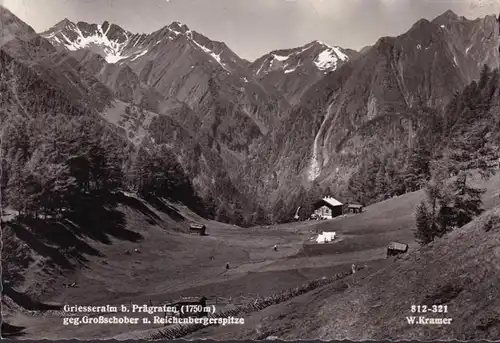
column 178, row 27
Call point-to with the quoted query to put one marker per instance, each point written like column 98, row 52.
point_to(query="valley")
column 113, row 142
column 170, row 264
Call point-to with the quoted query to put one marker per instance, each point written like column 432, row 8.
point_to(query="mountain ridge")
column 292, row 71
column 229, row 111
column 288, row 116
column 368, row 107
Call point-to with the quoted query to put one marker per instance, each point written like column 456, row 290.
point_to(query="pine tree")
column 418, row 167
column 424, row 232
column 484, row 76
column 260, row 216
column 435, row 226
column 470, row 151
column 278, row 211
column 16, row 193
column 381, row 184
column 313, row 195
column 467, row 202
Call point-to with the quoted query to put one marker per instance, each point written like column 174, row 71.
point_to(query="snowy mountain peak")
column 178, row 27
column 107, row 39
column 117, row 45
column 327, row 59
column 321, row 56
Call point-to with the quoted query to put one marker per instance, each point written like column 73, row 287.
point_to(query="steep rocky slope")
column 176, row 62
column 36, row 78
column 231, row 120
column 375, row 103
column 190, row 81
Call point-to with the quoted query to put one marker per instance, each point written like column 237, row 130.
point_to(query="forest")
column 465, row 136
column 53, row 160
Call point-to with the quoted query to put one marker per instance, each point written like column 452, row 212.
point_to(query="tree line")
column 466, row 129
column 52, row 162
column 447, row 148
column 473, row 128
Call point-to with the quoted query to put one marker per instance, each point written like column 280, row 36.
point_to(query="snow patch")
column 468, row 48
column 281, row 58
column 340, row 54
column 112, row 48
column 326, row 60
column 140, row 54
column 262, row 66
column 212, row 54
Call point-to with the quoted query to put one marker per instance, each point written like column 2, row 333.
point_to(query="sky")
column 252, row 28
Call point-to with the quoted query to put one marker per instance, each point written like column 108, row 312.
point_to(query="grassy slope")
column 172, row 263
column 461, row 270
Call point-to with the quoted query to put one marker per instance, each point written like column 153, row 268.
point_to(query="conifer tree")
column 423, row 233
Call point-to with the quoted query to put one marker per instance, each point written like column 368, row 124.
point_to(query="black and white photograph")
column 250, row 170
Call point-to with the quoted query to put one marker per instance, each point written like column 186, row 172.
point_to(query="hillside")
column 113, row 143
column 459, row 270
column 232, row 126
column 47, row 255
column 199, row 91
column 378, row 107
column 97, row 253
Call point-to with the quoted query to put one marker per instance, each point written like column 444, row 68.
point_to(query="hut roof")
column 355, row 206
column 332, row 201
column 196, row 226
column 397, row 246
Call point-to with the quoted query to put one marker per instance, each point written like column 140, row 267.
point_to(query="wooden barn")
column 327, row 208
column 198, row 228
column 395, row 248
column 200, row 312
column 354, row 208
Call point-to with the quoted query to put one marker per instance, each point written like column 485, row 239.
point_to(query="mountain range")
column 248, row 133
column 374, row 104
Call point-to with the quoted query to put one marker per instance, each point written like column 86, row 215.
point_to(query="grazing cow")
column 227, row 265
column 275, row 247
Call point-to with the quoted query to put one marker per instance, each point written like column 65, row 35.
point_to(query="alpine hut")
column 395, row 248
column 327, row 208
column 198, row 228
column 354, row 208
